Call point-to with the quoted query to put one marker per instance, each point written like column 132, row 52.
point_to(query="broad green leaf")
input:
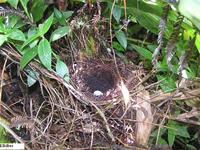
column 144, row 6
column 140, row 5
column 190, row 9
column 67, row 14
column 62, row 70
column 3, row 38
column 59, row 17
column 31, row 77
column 44, row 53
column 31, row 39
column 43, row 28
column 182, row 131
column 62, row 16
column 13, row 3
column 28, row 56
column 38, row 6
column 197, row 42
column 142, row 51
column 167, row 83
column 17, row 34
column 118, row 47
column 57, row 13
column 175, row 129
column 59, row 33
column 32, row 31
column 12, row 21
column 171, row 136
column 121, row 37
column 147, row 20
column 117, row 13
column 24, row 5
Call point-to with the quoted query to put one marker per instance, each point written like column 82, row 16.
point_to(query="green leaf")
column 32, row 31
column 121, row 37
column 31, row 77
column 67, row 14
column 2, row 26
column 118, row 47
column 171, row 136
column 190, row 9
column 12, row 21
column 13, row 3
column 59, row 33
column 62, row 70
column 31, row 39
column 143, row 52
column 28, row 56
column 43, row 28
column 117, row 13
column 3, row 38
column 38, row 6
column 57, row 13
column 44, row 53
column 175, row 129
column 24, row 5
column 17, row 34
column 3, row 135
column 167, row 83
column 197, row 42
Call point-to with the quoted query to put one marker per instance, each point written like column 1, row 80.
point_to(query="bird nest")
column 99, row 82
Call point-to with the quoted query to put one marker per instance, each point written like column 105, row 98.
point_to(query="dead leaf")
column 125, row 93
column 144, row 118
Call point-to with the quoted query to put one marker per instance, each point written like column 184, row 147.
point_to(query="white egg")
column 98, row 93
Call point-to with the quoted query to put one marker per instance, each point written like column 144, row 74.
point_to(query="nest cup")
column 97, row 82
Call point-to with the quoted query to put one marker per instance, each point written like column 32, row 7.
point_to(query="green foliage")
column 3, row 137
column 38, row 6
column 59, row 33
column 3, row 38
column 185, row 8
column 44, row 53
column 167, row 83
column 117, row 13
column 143, row 52
column 13, row 3
column 24, row 5
column 175, row 129
column 28, row 55
column 121, row 37
column 31, row 77
column 34, row 43
column 62, row 70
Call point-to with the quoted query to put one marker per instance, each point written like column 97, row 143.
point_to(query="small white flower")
column 97, row 93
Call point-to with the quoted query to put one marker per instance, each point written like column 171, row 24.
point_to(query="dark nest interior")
column 96, row 81
column 100, row 79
